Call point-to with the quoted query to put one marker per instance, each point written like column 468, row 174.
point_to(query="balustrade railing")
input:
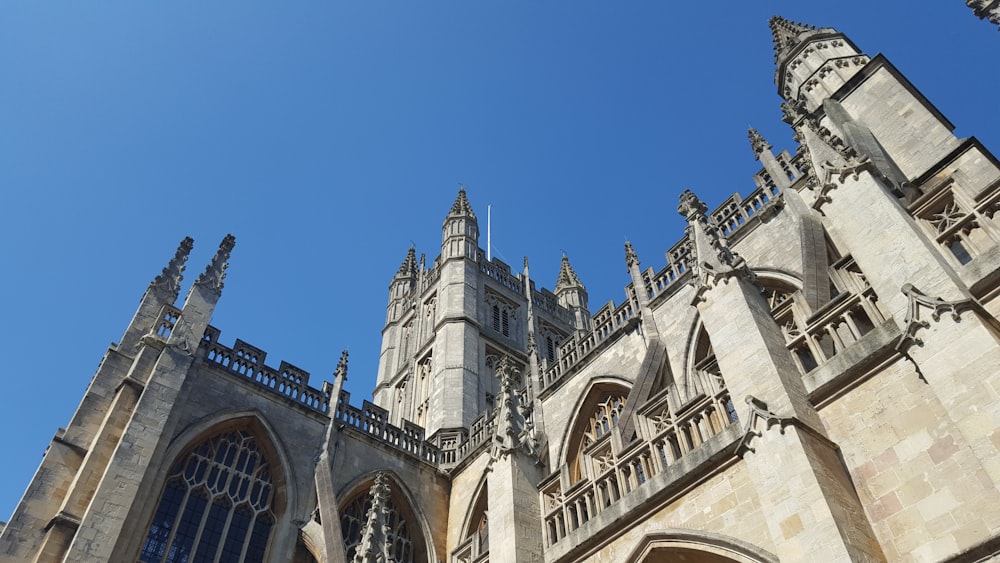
column 614, row 475
column 838, row 324
column 247, row 362
column 373, row 420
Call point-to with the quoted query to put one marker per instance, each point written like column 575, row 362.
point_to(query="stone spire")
column 169, row 280
column 758, row 143
column 215, row 273
column 786, row 35
column 513, row 421
column 567, row 277
column 713, row 261
column 988, row 10
column 461, row 207
column 631, row 258
column 341, row 370
column 408, row 269
column 375, row 545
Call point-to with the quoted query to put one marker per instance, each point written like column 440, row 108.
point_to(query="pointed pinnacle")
column 216, row 271
column 567, row 276
column 461, row 206
column 341, row 370
column 630, row 256
column 408, row 268
column 171, row 276
column 758, row 143
column 691, row 207
column 786, row 34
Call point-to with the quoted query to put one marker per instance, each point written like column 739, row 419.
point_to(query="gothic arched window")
column 406, row 543
column 597, row 416
column 216, row 505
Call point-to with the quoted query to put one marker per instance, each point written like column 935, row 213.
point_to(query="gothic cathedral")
column 813, row 375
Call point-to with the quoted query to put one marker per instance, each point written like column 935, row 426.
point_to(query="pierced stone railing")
column 500, row 272
column 844, row 320
column 736, row 211
column 247, row 362
column 374, row 421
column 608, row 321
column 456, row 446
column 664, row 441
column 731, row 216
column 429, row 278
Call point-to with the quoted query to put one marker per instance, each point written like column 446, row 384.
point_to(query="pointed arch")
column 412, row 536
column 697, row 547
column 594, row 414
column 475, row 534
column 225, row 491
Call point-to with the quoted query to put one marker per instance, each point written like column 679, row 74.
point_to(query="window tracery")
column 216, row 505
column 397, row 529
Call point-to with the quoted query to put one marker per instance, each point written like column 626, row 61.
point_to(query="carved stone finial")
column 691, row 207
column 408, row 269
column 461, row 206
column 215, row 273
column 712, row 259
column 786, row 35
column 631, row 258
column 374, row 545
column 341, row 369
column 170, row 278
column 988, row 10
column 567, row 277
column 514, row 428
column 793, row 110
column 758, row 143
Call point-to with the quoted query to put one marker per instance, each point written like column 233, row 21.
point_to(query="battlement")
column 247, row 362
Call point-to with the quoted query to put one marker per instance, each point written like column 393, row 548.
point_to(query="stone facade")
column 812, row 375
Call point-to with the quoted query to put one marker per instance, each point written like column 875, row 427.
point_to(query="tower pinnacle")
column 216, row 271
column 170, row 278
column 461, row 206
column 408, row 269
column 567, row 277
column 758, row 143
column 787, row 34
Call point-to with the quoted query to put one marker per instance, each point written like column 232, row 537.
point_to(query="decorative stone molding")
column 215, row 273
column 757, row 143
column 514, row 429
column 374, row 545
column 713, row 261
column 758, row 414
column 914, row 321
column 988, row 10
column 169, row 280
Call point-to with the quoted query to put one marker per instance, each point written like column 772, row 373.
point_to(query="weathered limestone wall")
column 725, row 504
column 905, row 459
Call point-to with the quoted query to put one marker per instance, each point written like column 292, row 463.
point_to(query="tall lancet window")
column 216, row 505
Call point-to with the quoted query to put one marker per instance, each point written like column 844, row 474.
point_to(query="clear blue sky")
column 329, row 135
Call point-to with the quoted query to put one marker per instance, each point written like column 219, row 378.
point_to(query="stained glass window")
column 216, row 505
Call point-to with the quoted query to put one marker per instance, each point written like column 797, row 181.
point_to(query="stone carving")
column 759, row 414
column 758, row 143
column 408, row 269
column 914, row 321
column 631, row 258
column 514, row 428
column 170, row 278
column 713, row 260
column 341, row 370
column 374, row 546
column 567, row 277
column 786, row 35
column 988, row 10
column 215, row 273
